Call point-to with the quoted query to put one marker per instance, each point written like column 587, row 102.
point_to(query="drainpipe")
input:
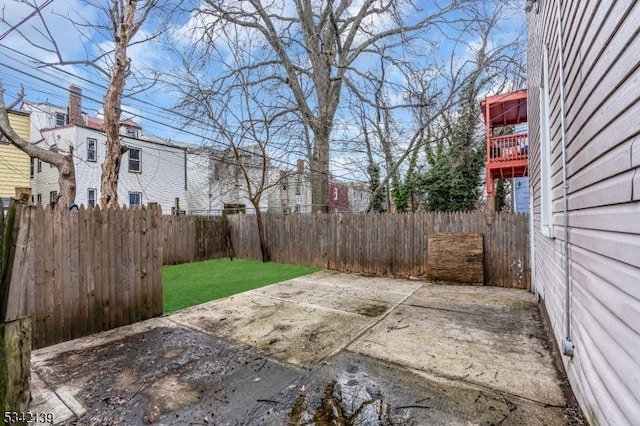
column 567, row 343
column 186, row 188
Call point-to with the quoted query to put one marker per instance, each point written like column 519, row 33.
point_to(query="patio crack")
column 368, row 326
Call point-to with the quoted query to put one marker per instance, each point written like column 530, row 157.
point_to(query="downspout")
column 567, row 343
column 186, row 188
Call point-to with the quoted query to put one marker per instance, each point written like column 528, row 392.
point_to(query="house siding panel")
column 162, row 177
column 602, row 88
column 14, row 164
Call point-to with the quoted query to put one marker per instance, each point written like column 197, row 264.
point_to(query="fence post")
column 15, row 321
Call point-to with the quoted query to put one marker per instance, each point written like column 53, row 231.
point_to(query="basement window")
column 135, row 198
column 91, row 197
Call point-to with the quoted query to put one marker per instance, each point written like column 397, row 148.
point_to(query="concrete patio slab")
column 313, row 351
column 292, row 332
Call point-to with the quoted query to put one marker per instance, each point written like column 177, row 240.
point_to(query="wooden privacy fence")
column 386, row 244
column 193, row 238
column 93, row 270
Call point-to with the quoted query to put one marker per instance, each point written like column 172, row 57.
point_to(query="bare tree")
column 126, row 17
column 311, row 48
column 62, row 161
column 437, row 94
column 118, row 21
column 246, row 127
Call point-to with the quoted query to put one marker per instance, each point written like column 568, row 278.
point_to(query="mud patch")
column 173, row 353
column 166, row 395
column 346, row 402
column 371, row 309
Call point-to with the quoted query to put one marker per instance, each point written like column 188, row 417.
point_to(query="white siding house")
column 45, row 116
column 216, row 181
column 584, row 130
column 293, row 191
column 150, row 171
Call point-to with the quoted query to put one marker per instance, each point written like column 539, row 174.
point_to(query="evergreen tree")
column 374, row 182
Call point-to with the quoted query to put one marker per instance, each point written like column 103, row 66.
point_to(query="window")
column 134, row 160
column 53, row 198
column 39, row 166
column 132, row 133
column 91, row 197
column 297, row 208
column 335, row 193
column 135, row 198
column 39, row 199
column 298, row 186
column 3, row 139
column 61, row 119
column 91, row 149
column 546, row 213
column 32, row 167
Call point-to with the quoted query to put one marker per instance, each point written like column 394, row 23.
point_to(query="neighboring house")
column 352, row 197
column 338, row 197
column 359, row 197
column 14, row 164
column 584, row 85
column 151, row 171
column 217, row 182
column 202, row 174
column 293, row 194
column 47, row 116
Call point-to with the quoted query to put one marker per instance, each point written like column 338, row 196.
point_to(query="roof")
column 506, row 109
column 145, row 138
column 18, row 112
column 98, row 123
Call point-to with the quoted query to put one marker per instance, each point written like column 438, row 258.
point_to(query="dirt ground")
column 324, row 349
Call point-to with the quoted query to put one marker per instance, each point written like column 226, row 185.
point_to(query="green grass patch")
column 194, row 283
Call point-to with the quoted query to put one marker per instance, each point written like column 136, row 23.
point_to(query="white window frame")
column 546, row 185
column 139, row 194
column 61, row 117
column 139, row 160
column 95, row 197
column 95, row 150
column 131, row 132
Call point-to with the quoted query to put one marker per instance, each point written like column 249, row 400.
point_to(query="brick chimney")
column 300, row 166
column 75, row 106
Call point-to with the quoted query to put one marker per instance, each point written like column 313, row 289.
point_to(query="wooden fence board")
column 91, row 270
column 387, row 244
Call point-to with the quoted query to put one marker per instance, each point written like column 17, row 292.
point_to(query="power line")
column 37, row 10
column 172, row 113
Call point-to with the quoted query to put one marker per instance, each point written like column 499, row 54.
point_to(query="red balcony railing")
column 508, row 148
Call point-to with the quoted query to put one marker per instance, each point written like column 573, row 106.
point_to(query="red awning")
column 506, row 109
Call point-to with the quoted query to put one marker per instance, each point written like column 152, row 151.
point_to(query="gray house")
column 584, row 130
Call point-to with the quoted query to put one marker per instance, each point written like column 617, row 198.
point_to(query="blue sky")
column 152, row 108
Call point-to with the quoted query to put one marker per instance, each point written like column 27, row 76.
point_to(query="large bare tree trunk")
column 63, row 162
column 319, row 166
column 123, row 31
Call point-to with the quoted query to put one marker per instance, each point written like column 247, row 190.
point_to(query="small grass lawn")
column 194, row 283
